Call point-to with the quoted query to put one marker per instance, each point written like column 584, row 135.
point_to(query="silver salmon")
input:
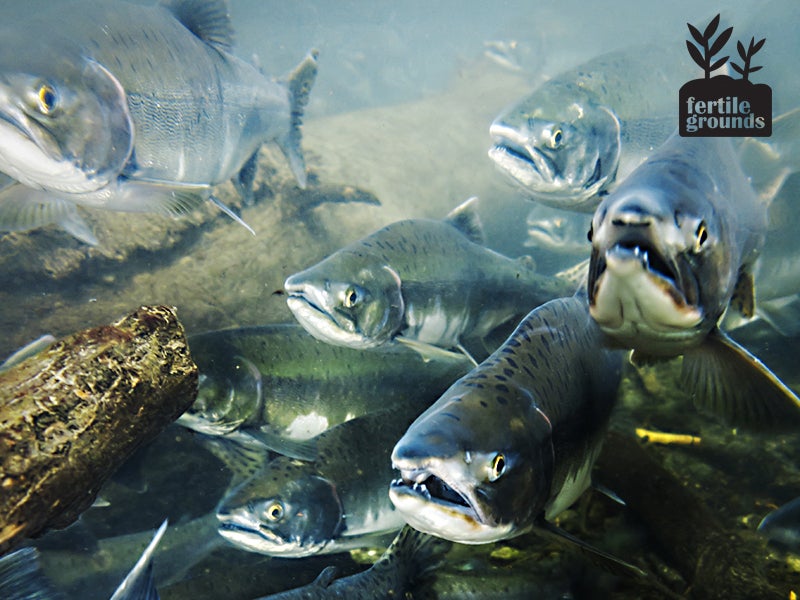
column 574, row 137
column 672, row 248
column 420, row 281
column 133, row 108
column 511, row 444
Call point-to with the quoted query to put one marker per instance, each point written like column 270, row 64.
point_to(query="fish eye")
column 701, row 236
column 351, row 297
column 48, row 99
column 498, row 466
column 274, row 511
column 556, row 137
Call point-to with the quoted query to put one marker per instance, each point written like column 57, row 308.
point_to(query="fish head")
column 476, row 467
column 286, row 509
column 660, row 266
column 229, row 394
column 349, row 299
column 562, row 153
column 557, row 232
column 65, row 125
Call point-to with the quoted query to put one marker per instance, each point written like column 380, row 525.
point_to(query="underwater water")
column 397, row 127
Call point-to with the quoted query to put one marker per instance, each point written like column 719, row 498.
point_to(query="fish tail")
column 300, row 82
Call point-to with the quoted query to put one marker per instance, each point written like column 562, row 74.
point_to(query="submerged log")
column 72, row 414
column 716, row 562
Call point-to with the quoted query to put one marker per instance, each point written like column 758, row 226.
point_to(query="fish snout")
column 635, row 210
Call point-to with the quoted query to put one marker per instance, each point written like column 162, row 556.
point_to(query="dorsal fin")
column 210, row 20
column 464, row 217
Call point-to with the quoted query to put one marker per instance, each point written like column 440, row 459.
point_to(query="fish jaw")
column 570, row 177
column 225, row 400
column 361, row 307
column 25, row 160
column 78, row 147
column 639, row 305
column 286, row 509
column 340, row 331
column 440, row 497
column 241, row 529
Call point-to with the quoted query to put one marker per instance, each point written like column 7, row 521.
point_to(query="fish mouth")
column 24, row 156
column 635, row 290
column 244, row 532
column 547, row 233
column 320, row 323
column 434, row 503
column 539, row 175
column 513, row 153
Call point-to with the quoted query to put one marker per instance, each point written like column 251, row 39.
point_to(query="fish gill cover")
column 722, row 106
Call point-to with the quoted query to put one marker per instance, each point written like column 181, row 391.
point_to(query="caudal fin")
column 299, row 82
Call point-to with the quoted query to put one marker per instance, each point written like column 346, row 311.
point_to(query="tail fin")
column 299, row 82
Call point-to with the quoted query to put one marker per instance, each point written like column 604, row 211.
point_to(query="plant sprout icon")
column 754, row 47
column 703, row 53
column 703, row 39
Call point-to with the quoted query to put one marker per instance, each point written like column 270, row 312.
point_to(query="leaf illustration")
column 696, row 34
column 754, row 69
column 720, row 41
column 758, row 45
column 695, row 54
column 737, row 68
column 719, row 63
column 742, row 52
column 711, row 28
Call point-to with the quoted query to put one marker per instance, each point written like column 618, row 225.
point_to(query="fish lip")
column 232, row 529
column 510, row 143
column 418, row 479
column 319, row 322
column 675, row 280
column 665, row 305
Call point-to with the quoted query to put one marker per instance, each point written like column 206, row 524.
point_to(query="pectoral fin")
column 605, row 561
column 23, row 208
column 723, row 377
column 431, row 352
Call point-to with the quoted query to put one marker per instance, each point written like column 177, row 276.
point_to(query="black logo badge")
column 722, row 106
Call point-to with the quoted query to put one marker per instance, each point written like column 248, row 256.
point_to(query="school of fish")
column 430, row 389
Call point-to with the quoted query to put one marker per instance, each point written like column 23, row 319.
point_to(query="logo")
column 722, row 106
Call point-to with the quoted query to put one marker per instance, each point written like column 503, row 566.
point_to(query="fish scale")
column 420, row 281
column 278, row 377
column 672, row 248
column 540, row 402
column 332, row 499
column 135, row 108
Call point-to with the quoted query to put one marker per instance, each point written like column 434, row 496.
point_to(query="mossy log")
column 72, row 414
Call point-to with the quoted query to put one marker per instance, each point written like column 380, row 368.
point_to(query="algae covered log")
column 71, row 414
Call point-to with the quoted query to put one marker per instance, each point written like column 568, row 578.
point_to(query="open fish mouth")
column 435, row 504
column 632, row 284
column 434, row 489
